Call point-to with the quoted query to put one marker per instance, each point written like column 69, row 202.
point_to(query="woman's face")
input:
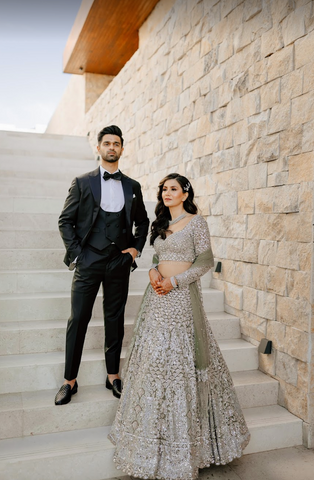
column 172, row 193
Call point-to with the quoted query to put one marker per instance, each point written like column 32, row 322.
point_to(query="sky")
column 33, row 35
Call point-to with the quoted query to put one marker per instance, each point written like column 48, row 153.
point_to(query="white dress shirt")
column 112, row 196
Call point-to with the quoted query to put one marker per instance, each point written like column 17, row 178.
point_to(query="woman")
column 178, row 411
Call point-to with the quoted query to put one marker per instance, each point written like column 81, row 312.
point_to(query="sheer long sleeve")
column 201, row 245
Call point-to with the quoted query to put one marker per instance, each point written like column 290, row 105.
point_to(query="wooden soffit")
column 105, row 35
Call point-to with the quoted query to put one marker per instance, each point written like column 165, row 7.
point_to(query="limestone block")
column 253, row 326
column 198, row 147
column 233, row 226
column 225, row 94
column 298, row 227
column 251, row 9
column 294, row 312
column 250, row 299
column 266, row 305
column 291, row 141
column 270, row 94
column 267, row 252
column 192, row 130
column 272, row 41
column 301, row 168
column 227, row 6
column 257, row 125
column 248, row 153
column 205, row 164
column 305, row 255
column 286, row 199
column 267, row 363
column 246, row 202
column 225, row 50
column 279, row 118
column 291, row 85
column 206, row 45
column 266, row 226
column 258, row 74
column 306, row 197
column 302, row 109
column 287, row 368
column 234, row 111
column 303, row 50
column 276, row 332
column 223, row 160
column 223, row 180
column 276, row 280
column 277, row 179
column 308, row 137
column 293, row 26
column 267, row 148
column 251, row 103
column 219, row 119
column 215, row 204
column 308, row 76
column 203, row 126
column 230, row 203
column 216, row 76
column 299, row 285
column 281, row 9
column 197, row 13
column 240, row 132
column 220, row 30
column 250, row 251
column 294, row 399
column 239, row 179
column 199, row 89
column 233, row 295
column 297, row 343
column 287, row 255
column 230, row 248
column 203, row 205
column 280, row 63
column 257, row 175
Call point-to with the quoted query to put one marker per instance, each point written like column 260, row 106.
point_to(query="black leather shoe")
column 65, row 393
column 116, row 387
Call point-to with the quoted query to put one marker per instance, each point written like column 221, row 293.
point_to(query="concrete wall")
column 81, row 93
column 223, row 92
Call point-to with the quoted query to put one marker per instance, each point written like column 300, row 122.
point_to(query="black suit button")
column 118, row 214
column 108, row 225
column 118, row 236
column 117, row 225
column 108, row 214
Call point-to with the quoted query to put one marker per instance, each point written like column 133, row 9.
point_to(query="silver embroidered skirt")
column 171, row 420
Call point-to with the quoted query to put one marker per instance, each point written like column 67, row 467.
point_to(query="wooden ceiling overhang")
column 105, row 35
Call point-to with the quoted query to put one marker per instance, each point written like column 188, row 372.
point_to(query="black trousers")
column 112, row 270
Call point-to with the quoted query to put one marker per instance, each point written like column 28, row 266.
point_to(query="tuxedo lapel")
column 94, row 181
column 128, row 197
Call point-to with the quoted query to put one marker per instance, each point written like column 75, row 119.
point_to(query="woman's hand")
column 163, row 287
column 154, row 277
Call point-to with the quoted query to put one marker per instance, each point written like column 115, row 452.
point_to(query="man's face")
column 110, row 148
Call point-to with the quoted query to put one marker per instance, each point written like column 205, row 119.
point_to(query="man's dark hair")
column 111, row 130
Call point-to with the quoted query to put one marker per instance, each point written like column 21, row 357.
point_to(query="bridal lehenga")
column 179, row 411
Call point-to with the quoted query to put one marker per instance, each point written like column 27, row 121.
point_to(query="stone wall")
column 223, row 92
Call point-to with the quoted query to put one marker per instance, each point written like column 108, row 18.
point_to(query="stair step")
column 56, row 306
column 88, row 453
column 39, row 371
column 56, row 280
column 49, row 335
column 31, row 204
column 41, row 145
column 11, row 186
column 32, row 258
column 23, row 221
column 30, row 239
column 34, row 413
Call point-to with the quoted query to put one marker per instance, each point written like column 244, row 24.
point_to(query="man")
column 96, row 228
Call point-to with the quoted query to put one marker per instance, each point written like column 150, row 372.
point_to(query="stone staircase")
column 41, row 441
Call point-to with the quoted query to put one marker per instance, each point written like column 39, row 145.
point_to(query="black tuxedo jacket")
column 82, row 206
